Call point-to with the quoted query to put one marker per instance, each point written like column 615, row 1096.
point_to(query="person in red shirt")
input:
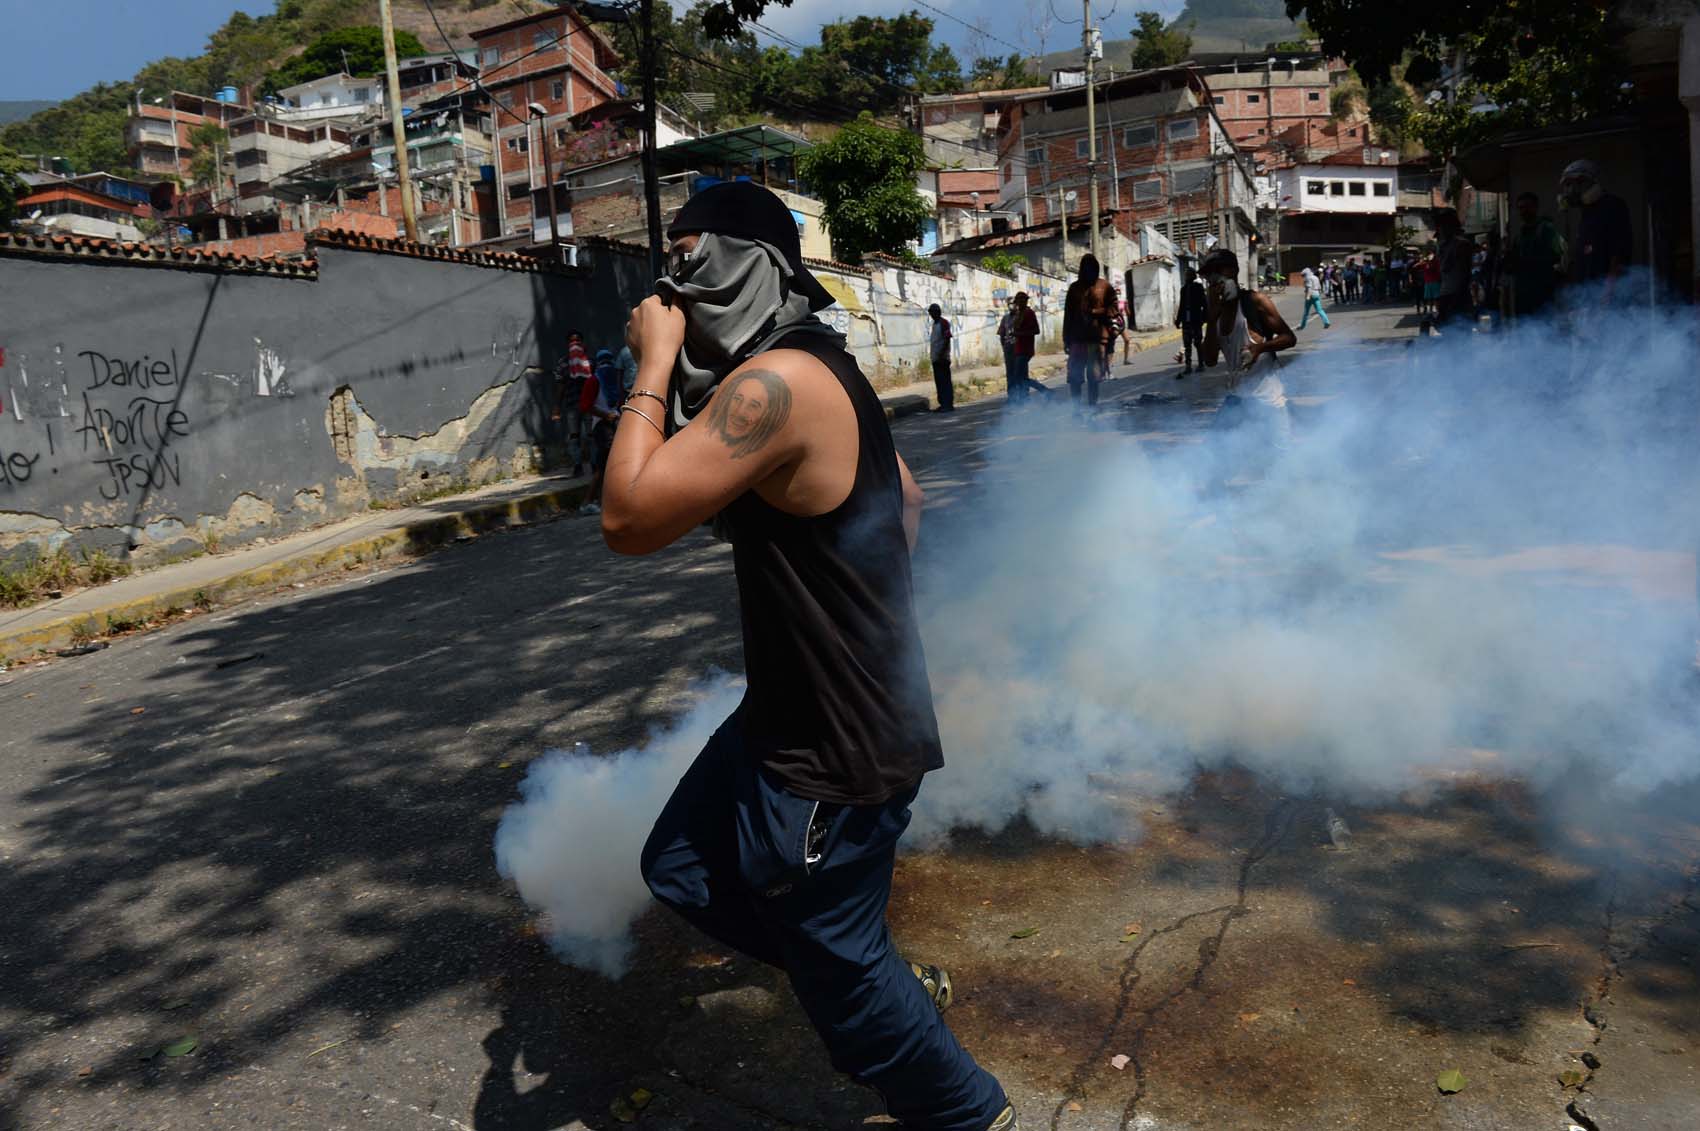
column 575, row 372
column 1023, row 332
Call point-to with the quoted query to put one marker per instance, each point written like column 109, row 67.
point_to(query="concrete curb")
column 906, row 405
column 411, row 540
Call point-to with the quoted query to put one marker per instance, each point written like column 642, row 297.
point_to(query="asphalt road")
column 269, row 829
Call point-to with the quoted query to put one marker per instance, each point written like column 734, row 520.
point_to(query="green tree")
column 357, row 50
column 1390, row 111
column 1003, row 262
column 873, row 62
column 242, row 51
column 86, row 129
column 159, row 78
column 1526, row 82
column 1158, row 45
column 208, row 145
column 11, row 188
column 692, row 61
column 1009, row 73
column 865, row 177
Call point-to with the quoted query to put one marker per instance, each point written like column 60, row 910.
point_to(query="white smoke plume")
column 572, row 841
column 1475, row 558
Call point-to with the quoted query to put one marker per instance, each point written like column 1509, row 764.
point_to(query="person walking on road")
column 1190, row 317
column 938, row 352
column 780, row 838
column 1006, row 339
column 1023, row 332
column 1455, row 255
column 1535, row 259
column 1086, row 329
column 1313, row 300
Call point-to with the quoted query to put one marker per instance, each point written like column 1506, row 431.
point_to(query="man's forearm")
column 639, row 434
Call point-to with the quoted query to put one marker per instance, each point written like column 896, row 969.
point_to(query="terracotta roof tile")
column 90, row 249
column 503, row 260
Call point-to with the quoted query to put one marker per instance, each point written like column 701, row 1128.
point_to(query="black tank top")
column 838, row 706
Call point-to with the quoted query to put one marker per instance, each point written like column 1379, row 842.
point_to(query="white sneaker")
column 590, row 508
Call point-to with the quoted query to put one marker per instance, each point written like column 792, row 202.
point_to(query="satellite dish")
column 1071, row 196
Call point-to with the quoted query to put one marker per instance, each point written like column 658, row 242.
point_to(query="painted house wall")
column 1294, row 187
column 153, row 407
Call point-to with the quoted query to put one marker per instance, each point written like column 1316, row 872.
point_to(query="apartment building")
column 553, row 59
column 1263, row 97
column 302, row 124
column 1165, row 159
column 157, row 135
column 99, row 205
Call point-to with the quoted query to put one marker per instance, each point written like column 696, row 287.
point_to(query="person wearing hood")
column 1313, row 299
column 779, row 840
column 1605, row 235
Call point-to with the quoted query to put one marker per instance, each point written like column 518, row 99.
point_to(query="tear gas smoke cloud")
column 571, row 843
column 1476, row 557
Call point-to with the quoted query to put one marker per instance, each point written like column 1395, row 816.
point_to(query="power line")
column 974, row 27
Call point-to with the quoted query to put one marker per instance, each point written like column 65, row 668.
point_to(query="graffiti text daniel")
column 131, row 441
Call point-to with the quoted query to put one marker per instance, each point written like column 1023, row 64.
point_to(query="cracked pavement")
column 286, row 853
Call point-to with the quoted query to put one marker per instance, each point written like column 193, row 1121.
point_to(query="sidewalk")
column 203, row 582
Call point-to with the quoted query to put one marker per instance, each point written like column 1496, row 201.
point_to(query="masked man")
column 779, row 840
column 1605, row 236
column 1246, row 331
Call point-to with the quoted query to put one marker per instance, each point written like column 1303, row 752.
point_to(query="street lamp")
column 539, row 111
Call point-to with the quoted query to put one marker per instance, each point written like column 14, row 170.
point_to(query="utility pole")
column 540, row 112
column 404, row 178
column 651, row 185
column 1093, row 48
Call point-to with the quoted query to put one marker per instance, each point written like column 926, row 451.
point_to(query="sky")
column 70, row 45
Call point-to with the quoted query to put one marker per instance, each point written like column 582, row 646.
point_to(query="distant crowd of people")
column 588, row 396
column 1521, row 272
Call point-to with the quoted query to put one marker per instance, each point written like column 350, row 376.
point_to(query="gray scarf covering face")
column 737, row 299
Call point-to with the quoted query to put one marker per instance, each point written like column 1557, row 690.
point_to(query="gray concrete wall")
column 149, row 411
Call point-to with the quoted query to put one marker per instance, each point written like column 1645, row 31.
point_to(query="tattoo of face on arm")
column 752, row 407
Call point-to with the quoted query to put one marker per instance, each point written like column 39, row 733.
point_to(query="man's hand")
column 655, row 327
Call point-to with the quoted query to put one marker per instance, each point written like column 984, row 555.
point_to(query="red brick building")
column 1165, row 158
column 553, row 58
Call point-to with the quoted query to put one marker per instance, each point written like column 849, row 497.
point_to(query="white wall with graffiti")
column 882, row 309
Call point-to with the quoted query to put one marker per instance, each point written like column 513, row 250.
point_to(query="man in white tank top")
column 1248, row 344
